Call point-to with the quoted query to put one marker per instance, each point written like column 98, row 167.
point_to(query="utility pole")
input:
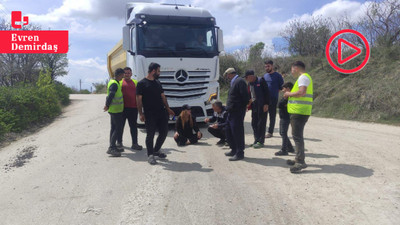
column 80, row 85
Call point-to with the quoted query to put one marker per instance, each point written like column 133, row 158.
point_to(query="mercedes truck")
column 184, row 40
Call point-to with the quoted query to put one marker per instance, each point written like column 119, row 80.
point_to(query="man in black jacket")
column 238, row 97
column 217, row 129
column 259, row 106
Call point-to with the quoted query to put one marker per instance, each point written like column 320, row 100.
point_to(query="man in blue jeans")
column 275, row 82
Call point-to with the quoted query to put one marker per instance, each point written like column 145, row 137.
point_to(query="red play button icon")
column 340, row 51
column 350, row 47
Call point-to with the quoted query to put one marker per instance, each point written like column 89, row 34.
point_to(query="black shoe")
column 119, row 149
column 160, row 155
column 229, row 153
column 291, row 150
column 281, row 152
column 152, row 160
column 136, row 147
column 290, row 162
column 113, row 152
column 221, row 142
column 297, row 167
column 120, row 145
column 236, row 158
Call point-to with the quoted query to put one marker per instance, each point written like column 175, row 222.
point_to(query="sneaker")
column 281, row 152
column 253, row 144
column 236, row 158
column 113, row 151
column 136, row 147
column 268, row 135
column 258, row 145
column 290, row 162
column 229, row 153
column 160, row 155
column 120, row 145
column 221, row 142
column 151, row 160
column 297, row 167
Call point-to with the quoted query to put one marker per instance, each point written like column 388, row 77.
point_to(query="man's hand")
column 199, row 135
column 286, row 95
column 176, row 135
column 142, row 118
column 206, row 120
column 214, row 126
column 170, row 112
column 105, row 108
column 265, row 108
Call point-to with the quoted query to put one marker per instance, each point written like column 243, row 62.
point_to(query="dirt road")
column 64, row 176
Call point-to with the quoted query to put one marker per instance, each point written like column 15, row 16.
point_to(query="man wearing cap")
column 238, row 97
column 259, row 106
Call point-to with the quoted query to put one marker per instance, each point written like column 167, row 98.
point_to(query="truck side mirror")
column 220, row 41
column 128, row 43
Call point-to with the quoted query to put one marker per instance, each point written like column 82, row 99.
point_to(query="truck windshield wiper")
column 158, row 47
column 197, row 48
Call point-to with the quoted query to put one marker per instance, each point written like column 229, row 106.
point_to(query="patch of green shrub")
column 24, row 105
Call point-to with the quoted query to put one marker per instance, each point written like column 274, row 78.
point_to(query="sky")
column 95, row 26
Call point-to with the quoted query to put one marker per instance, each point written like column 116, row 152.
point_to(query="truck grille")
column 193, row 86
column 197, row 111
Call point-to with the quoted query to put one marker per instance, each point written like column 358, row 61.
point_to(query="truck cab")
column 184, row 40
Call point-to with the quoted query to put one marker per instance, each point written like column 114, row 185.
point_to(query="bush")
column 24, row 105
column 63, row 92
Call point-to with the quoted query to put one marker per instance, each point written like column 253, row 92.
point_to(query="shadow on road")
column 320, row 156
column 346, row 169
column 183, row 166
column 312, row 139
column 278, row 162
column 141, row 156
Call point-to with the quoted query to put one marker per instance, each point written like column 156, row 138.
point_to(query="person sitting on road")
column 185, row 125
column 217, row 129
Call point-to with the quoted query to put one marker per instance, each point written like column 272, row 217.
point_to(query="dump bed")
column 116, row 58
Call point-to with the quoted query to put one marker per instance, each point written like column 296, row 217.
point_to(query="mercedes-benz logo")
column 181, row 75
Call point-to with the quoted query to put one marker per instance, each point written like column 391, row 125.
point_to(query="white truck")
column 184, row 40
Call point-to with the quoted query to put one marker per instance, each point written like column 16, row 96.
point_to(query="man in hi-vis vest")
column 115, row 107
column 299, row 106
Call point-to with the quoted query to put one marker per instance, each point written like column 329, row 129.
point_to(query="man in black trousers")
column 259, row 106
column 153, row 111
column 238, row 97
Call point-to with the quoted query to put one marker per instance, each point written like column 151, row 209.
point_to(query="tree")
column 308, row 38
column 382, row 23
column 56, row 63
column 255, row 61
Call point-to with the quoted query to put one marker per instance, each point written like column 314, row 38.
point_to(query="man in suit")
column 238, row 97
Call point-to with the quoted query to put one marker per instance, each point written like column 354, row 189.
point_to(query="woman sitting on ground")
column 185, row 125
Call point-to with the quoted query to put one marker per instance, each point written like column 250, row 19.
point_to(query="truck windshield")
column 166, row 40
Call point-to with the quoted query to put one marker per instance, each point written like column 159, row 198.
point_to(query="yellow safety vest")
column 117, row 104
column 301, row 105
